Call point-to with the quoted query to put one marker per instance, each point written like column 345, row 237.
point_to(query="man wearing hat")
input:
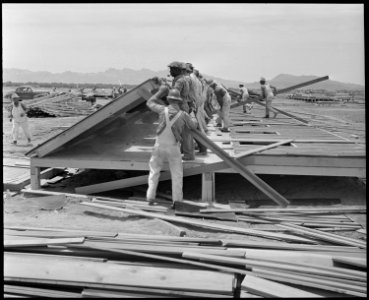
column 244, row 97
column 268, row 95
column 19, row 118
column 181, row 82
column 197, row 97
column 172, row 122
column 224, row 100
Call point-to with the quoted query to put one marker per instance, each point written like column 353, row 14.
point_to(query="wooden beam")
column 251, row 177
column 90, row 272
column 268, row 288
column 27, row 242
column 334, row 238
column 300, row 268
column 304, row 280
column 139, row 180
column 204, row 224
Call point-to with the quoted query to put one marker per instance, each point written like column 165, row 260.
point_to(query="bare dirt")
column 21, row 210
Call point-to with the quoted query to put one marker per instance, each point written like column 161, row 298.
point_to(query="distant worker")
column 224, row 100
column 245, row 98
column 267, row 94
column 19, row 118
column 172, row 122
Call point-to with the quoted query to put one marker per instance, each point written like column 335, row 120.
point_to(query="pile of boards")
column 64, row 105
column 298, row 257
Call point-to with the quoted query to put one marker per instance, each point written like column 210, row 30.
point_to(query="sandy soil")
column 21, row 210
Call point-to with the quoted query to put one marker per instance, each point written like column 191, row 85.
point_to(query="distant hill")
column 133, row 77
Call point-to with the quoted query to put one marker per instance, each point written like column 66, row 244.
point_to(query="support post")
column 208, row 187
column 35, row 177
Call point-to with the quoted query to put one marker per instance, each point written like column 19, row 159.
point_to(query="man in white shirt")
column 19, row 118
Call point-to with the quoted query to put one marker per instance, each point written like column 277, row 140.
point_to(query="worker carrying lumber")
column 172, row 122
column 18, row 116
column 245, row 98
column 224, row 100
column 267, row 93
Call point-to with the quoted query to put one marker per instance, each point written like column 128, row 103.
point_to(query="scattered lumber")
column 90, row 264
column 203, row 224
column 268, row 288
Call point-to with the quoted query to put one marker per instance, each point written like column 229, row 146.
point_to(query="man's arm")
column 155, row 103
column 190, row 120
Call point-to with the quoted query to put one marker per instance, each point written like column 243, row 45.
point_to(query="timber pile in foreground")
column 300, row 257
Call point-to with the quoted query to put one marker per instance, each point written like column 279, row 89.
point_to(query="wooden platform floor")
column 314, row 151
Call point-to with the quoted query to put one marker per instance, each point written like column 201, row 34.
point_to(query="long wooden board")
column 240, row 230
column 235, row 164
column 268, row 288
column 54, row 271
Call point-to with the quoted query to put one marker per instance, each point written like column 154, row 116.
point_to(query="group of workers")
column 185, row 104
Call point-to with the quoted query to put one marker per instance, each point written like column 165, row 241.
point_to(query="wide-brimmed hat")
column 15, row 96
column 174, row 95
column 178, row 65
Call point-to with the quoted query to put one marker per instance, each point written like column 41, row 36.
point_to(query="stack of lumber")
column 299, row 261
column 65, row 105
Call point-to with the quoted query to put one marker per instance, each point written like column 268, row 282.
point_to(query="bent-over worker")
column 224, row 100
column 19, row 118
column 172, row 122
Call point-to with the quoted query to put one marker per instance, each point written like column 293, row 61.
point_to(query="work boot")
column 188, row 158
column 151, row 201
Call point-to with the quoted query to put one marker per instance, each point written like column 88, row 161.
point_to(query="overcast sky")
column 231, row 41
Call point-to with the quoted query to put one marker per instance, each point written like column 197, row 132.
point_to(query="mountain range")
column 133, row 77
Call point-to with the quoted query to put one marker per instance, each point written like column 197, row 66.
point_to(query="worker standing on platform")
column 19, row 118
column 182, row 84
column 267, row 94
column 244, row 98
column 224, row 100
column 196, row 96
column 172, row 122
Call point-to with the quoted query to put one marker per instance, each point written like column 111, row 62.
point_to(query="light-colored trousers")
column 160, row 154
column 268, row 105
column 25, row 127
column 223, row 113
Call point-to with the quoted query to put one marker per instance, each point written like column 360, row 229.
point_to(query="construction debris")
column 80, row 263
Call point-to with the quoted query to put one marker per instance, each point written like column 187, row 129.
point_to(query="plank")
column 321, row 210
column 301, row 268
column 56, row 272
column 87, row 233
column 203, row 224
column 41, row 292
column 338, row 239
column 268, row 288
column 236, row 165
column 41, row 242
column 356, row 262
column 176, row 260
column 304, row 280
